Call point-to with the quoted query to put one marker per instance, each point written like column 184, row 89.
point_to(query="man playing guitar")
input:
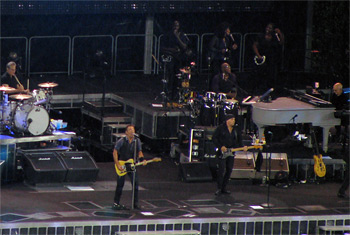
column 227, row 135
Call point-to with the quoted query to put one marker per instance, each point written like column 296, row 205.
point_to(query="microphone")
column 278, row 38
column 265, row 94
column 293, row 118
column 136, row 135
column 186, row 37
column 232, row 37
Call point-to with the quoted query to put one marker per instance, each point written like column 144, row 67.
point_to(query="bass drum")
column 31, row 119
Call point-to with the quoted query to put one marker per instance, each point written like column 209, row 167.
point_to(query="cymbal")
column 6, row 88
column 48, row 85
column 20, row 96
column 186, row 71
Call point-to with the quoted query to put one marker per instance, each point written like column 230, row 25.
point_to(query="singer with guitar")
column 9, row 79
column 227, row 135
column 124, row 150
column 268, row 55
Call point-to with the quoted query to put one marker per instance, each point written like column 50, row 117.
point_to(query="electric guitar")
column 319, row 166
column 129, row 165
column 229, row 151
column 259, row 61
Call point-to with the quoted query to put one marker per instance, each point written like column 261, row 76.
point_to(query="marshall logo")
column 76, row 158
column 44, row 158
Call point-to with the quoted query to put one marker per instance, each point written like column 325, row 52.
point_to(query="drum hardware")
column 165, row 59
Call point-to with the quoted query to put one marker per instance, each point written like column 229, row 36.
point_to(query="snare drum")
column 31, row 119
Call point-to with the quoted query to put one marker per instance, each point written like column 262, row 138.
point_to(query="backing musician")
column 268, row 50
column 176, row 49
column 221, row 47
column 9, row 79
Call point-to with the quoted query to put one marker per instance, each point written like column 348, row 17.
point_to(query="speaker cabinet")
column 195, row 171
column 80, row 166
column 279, row 162
column 244, row 166
column 43, row 168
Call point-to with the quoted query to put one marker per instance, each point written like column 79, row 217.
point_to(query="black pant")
column 120, row 185
column 345, row 184
column 224, row 171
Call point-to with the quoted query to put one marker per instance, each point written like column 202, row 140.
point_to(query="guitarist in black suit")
column 227, row 135
column 123, row 151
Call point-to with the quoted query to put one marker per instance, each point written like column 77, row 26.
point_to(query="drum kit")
column 215, row 107
column 184, row 90
column 26, row 113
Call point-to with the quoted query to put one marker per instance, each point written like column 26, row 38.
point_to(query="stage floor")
column 164, row 196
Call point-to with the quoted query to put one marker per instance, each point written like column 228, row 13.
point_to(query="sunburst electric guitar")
column 129, row 165
column 231, row 150
column 319, row 166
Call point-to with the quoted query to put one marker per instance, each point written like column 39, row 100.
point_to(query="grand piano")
column 299, row 109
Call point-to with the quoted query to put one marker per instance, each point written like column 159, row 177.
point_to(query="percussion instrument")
column 210, row 96
column 7, row 112
column 6, row 88
column 40, row 96
column 48, row 85
column 221, row 97
column 20, row 96
column 31, row 119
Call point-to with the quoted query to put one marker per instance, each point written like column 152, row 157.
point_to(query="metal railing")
column 133, row 52
column 125, row 52
column 276, row 225
column 14, row 44
column 89, row 49
column 46, row 56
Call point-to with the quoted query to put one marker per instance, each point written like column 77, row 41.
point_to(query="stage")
column 169, row 204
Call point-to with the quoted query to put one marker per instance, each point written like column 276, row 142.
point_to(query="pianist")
column 340, row 101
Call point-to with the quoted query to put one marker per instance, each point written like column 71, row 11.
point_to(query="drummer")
column 225, row 82
column 9, row 79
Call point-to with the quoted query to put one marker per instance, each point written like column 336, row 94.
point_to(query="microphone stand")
column 134, row 175
column 268, row 177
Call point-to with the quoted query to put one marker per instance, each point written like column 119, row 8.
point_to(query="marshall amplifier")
column 80, row 166
column 43, row 168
